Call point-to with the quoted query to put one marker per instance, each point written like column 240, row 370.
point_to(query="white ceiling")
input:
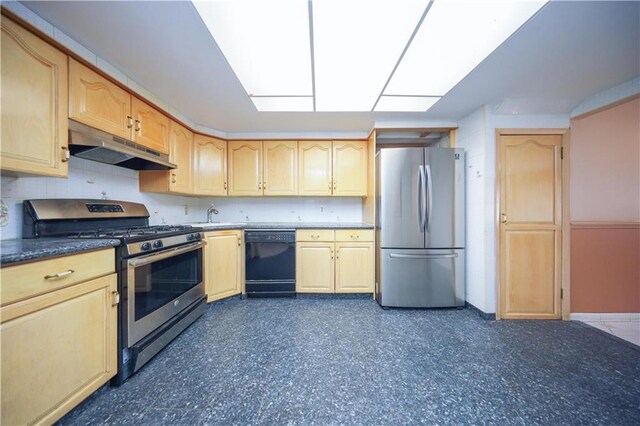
column 567, row 52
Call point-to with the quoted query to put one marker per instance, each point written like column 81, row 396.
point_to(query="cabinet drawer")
column 28, row 280
column 315, row 235
column 354, row 235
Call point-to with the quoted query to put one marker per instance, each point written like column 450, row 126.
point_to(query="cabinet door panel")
column 314, row 268
column 280, row 168
column 151, row 127
column 57, row 349
column 314, row 162
column 245, row 168
column 96, row 101
column 34, row 100
column 210, row 164
column 350, row 168
column 223, row 264
column 181, row 141
column 354, row 267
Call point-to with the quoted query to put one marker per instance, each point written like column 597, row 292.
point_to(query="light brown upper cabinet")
column 245, row 168
column 97, row 102
column 314, row 176
column 350, row 168
column 34, row 104
column 151, row 127
column 263, row 168
column 333, row 168
column 179, row 180
column 210, row 165
column 280, row 168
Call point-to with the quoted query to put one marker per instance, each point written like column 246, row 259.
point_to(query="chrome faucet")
column 210, row 210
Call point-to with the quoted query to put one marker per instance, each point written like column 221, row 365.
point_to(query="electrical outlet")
column 186, row 209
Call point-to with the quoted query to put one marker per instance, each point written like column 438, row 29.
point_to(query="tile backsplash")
column 89, row 179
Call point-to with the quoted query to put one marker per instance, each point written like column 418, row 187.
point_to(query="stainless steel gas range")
column 159, row 269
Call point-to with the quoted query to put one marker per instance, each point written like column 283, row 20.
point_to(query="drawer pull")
column 59, row 275
column 315, row 235
column 116, row 298
column 355, row 237
column 174, row 178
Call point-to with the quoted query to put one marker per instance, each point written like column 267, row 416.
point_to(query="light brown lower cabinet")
column 330, row 261
column 223, row 264
column 57, row 349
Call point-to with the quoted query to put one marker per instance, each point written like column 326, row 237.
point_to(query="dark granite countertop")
column 282, row 225
column 22, row 250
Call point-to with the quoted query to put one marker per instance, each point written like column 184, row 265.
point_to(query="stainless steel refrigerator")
column 420, row 227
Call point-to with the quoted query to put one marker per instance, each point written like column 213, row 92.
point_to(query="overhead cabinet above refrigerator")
column 420, row 249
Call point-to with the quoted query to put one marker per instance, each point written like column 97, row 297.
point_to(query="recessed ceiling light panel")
column 453, row 39
column 356, row 45
column 265, row 42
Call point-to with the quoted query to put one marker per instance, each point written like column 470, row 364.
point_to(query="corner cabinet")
column 34, row 101
column 223, row 264
column 210, row 165
column 340, row 261
column 59, row 340
column 178, row 180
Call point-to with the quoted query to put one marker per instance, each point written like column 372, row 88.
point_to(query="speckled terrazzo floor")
column 346, row 361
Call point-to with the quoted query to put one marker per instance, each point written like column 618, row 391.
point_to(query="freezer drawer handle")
column 422, row 256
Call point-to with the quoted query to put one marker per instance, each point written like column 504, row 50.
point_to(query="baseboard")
column 481, row 313
column 595, row 317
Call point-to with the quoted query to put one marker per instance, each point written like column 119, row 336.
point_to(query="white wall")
column 89, row 179
column 476, row 134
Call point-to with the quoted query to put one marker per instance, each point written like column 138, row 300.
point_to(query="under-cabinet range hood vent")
column 93, row 144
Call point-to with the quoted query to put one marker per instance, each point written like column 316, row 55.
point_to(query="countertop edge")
column 47, row 248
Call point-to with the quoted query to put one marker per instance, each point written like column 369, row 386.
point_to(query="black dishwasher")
column 270, row 257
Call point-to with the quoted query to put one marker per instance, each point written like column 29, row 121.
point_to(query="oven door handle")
column 154, row 257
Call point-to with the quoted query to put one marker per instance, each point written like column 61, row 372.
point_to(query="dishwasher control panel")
column 270, row 236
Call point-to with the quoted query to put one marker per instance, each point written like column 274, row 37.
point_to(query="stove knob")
column 145, row 246
column 157, row 244
column 190, row 237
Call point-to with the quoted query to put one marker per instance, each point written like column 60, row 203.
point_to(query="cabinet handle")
column 239, row 241
column 66, row 154
column 59, row 275
column 116, row 298
column 259, row 185
column 315, row 235
column 338, row 254
column 329, row 184
column 138, row 126
column 130, row 118
column 225, row 185
column 334, row 185
column 355, row 237
column 331, row 254
column 504, row 217
column 264, row 185
column 174, row 178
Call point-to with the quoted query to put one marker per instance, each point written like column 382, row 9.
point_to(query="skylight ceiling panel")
column 453, row 39
column 267, row 43
column 357, row 43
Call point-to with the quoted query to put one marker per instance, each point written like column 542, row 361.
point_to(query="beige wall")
column 605, row 210
column 605, row 164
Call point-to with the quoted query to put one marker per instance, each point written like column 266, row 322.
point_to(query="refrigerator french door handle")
column 429, row 197
column 422, row 256
column 421, row 198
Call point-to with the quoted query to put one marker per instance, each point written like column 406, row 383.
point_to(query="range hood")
column 93, row 144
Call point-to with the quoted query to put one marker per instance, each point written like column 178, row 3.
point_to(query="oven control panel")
column 105, row 208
